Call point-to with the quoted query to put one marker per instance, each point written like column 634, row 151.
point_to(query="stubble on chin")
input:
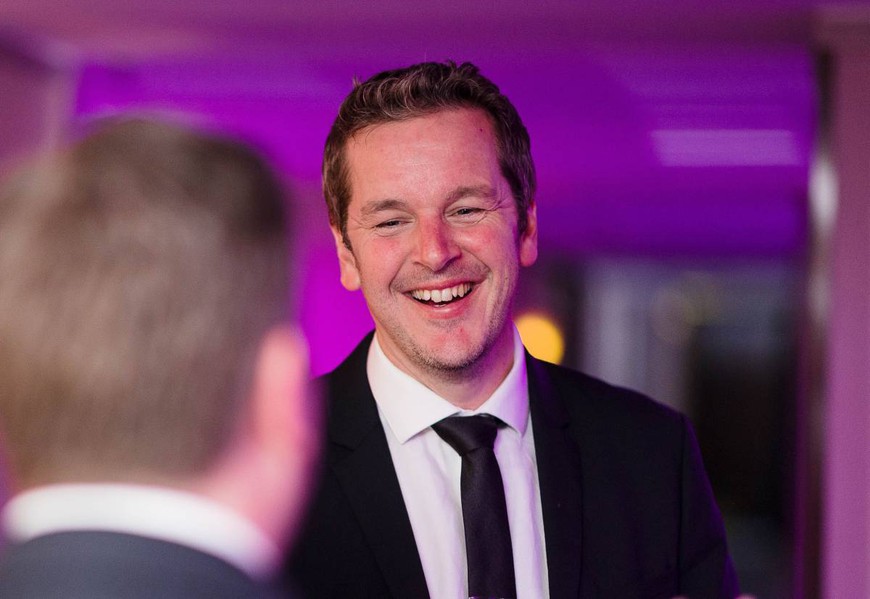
column 467, row 365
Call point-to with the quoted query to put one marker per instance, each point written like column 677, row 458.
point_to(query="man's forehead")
column 440, row 135
column 471, row 117
column 444, row 155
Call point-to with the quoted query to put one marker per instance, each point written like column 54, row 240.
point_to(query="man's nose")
column 435, row 245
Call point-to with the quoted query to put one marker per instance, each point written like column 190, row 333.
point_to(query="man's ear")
column 284, row 431
column 347, row 262
column 285, row 412
column 529, row 238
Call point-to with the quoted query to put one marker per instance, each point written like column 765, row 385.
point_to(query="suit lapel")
column 559, row 477
column 364, row 468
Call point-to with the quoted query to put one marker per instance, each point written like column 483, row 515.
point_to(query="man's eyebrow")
column 480, row 191
column 381, row 205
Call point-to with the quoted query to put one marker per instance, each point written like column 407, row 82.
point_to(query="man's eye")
column 468, row 214
column 388, row 224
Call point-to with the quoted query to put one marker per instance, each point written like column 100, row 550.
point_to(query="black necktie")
column 487, row 534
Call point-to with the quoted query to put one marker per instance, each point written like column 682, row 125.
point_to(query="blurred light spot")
column 726, row 147
column 541, row 336
column 823, row 208
column 673, row 316
column 704, row 292
column 823, row 193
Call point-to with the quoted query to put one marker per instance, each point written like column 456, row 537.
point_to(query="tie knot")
column 467, row 433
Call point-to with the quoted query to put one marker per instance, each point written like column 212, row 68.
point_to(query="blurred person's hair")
column 139, row 272
column 419, row 90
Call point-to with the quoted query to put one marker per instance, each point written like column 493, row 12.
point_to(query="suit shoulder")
column 591, row 399
column 352, row 368
column 616, row 426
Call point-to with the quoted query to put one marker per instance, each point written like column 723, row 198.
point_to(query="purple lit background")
column 678, row 136
column 671, row 152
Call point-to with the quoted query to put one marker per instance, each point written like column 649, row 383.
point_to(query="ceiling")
column 674, row 127
column 126, row 28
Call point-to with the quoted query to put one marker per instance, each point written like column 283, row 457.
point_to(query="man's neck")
column 466, row 388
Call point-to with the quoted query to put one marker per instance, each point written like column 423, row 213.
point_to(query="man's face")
column 432, row 226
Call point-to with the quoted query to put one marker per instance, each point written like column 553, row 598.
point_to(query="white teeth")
column 440, row 296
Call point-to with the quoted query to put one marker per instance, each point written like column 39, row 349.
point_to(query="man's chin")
column 453, row 364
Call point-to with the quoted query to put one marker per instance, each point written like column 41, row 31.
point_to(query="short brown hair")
column 416, row 91
column 139, row 272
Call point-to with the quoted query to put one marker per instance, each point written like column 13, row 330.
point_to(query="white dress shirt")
column 428, row 470
column 155, row 512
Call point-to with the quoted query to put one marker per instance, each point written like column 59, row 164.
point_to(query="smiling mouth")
column 442, row 296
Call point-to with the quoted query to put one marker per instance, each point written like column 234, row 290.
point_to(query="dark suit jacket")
column 106, row 565
column 628, row 510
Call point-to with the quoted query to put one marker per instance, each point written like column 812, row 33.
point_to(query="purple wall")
column 669, row 151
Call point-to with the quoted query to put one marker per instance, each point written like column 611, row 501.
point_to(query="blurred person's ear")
column 286, row 416
column 287, row 412
column 267, row 471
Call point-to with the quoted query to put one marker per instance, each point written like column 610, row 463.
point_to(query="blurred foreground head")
column 143, row 320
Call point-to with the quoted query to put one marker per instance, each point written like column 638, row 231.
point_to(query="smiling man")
column 458, row 465
column 431, row 237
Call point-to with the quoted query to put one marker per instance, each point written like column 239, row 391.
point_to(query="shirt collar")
column 156, row 512
column 392, row 389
